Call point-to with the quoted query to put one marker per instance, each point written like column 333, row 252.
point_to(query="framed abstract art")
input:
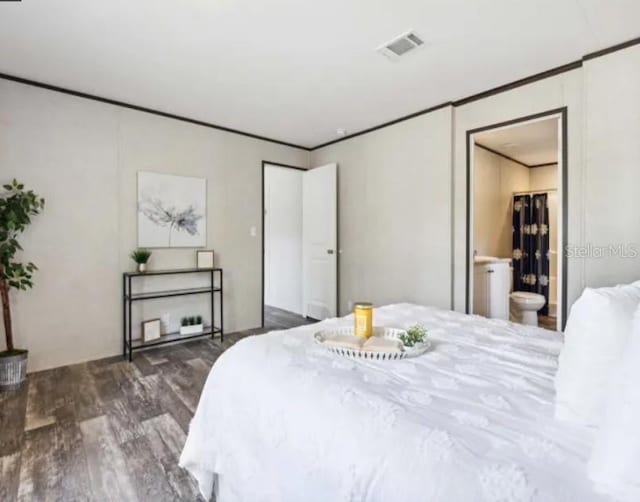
column 172, row 211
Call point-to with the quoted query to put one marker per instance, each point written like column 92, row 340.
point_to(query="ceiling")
column 297, row 70
column 532, row 144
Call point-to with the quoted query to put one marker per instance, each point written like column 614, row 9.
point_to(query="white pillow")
column 595, row 336
column 615, row 458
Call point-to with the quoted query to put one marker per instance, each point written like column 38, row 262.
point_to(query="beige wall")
column 82, row 156
column 543, row 178
column 612, row 164
column 368, row 154
column 395, row 212
column 495, row 180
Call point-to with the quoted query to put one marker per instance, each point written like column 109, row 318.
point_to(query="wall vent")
column 400, row 46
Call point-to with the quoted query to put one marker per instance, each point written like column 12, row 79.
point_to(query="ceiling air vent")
column 401, row 45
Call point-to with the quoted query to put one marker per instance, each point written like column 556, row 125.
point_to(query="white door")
column 319, row 242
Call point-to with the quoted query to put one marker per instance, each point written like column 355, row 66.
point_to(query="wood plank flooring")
column 275, row 318
column 547, row 322
column 108, row 429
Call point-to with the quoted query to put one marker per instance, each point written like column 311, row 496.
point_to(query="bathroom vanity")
column 491, row 286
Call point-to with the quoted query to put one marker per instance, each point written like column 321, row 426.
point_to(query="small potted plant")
column 191, row 325
column 141, row 257
column 17, row 206
column 414, row 336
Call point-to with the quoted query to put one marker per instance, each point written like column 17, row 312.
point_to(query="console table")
column 130, row 345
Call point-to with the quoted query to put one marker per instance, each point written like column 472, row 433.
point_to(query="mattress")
column 280, row 419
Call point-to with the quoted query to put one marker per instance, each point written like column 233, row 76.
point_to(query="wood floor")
column 109, row 430
column 275, row 318
column 547, row 322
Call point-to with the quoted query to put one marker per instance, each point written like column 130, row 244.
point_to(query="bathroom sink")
column 483, row 260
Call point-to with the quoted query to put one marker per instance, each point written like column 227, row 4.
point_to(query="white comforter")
column 281, row 420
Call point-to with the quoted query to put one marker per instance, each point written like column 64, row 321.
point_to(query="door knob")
column 329, row 251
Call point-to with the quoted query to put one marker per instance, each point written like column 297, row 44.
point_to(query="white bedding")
column 282, row 420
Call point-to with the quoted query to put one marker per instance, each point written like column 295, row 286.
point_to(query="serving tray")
column 392, row 333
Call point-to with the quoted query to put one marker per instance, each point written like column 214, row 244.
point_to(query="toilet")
column 524, row 306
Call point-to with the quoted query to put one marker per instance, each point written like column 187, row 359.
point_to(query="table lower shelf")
column 138, row 343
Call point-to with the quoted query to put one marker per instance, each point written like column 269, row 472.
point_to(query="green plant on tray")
column 415, row 334
column 140, row 256
column 191, row 321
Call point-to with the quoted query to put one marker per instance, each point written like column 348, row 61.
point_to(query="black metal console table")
column 130, row 345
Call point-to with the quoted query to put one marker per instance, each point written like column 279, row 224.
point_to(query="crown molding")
column 504, row 156
column 574, row 65
column 455, row 103
column 123, row 104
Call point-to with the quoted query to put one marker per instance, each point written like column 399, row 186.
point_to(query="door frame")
column 562, row 114
column 266, row 163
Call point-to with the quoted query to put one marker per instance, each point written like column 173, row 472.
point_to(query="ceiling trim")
column 500, row 154
column 386, row 124
column 520, row 82
column 504, row 156
column 546, row 164
column 500, row 89
column 613, row 48
column 460, row 102
column 153, row 111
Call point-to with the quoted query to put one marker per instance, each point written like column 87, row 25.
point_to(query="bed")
column 280, row 419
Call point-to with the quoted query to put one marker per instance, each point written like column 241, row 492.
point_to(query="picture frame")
column 151, row 330
column 204, row 258
column 172, row 211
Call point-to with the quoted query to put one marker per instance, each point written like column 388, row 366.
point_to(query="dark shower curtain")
column 531, row 245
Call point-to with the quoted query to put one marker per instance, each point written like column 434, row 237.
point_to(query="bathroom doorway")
column 516, row 195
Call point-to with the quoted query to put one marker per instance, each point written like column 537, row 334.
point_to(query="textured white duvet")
column 281, row 420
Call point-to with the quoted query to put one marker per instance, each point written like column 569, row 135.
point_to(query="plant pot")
column 191, row 330
column 142, row 267
column 13, row 369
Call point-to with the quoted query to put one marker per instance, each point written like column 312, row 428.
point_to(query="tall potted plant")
column 17, row 206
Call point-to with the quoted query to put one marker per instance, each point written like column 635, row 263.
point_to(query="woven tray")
column 393, row 333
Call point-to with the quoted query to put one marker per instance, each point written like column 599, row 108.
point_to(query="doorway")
column 516, row 220
column 299, row 241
